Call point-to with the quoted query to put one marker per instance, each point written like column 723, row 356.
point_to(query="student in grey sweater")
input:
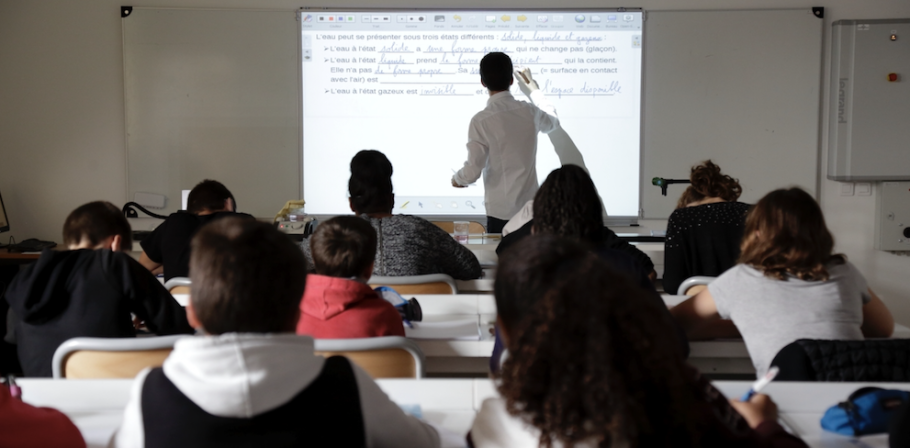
column 405, row 245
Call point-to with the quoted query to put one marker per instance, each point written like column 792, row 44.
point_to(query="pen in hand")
column 760, row 384
column 14, row 390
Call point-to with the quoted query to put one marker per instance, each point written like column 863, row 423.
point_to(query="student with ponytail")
column 405, row 244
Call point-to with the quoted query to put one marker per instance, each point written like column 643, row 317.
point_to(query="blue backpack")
column 866, row 411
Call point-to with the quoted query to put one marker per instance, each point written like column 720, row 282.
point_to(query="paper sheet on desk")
column 465, row 329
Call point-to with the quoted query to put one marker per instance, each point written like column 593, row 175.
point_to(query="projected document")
column 407, row 83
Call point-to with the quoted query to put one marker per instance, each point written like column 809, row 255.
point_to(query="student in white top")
column 502, row 141
column 788, row 285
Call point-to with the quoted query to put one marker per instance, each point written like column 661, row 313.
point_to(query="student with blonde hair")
column 788, row 285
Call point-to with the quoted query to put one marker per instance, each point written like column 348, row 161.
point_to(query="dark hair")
column 590, row 357
column 343, row 246
column 567, row 204
column 246, row 277
column 496, row 71
column 785, row 233
column 708, row 182
column 370, row 185
column 95, row 222
column 208, row 196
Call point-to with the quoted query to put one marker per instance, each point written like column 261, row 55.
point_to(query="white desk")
column 459, row 356
column 472, row 356
column 96, row 406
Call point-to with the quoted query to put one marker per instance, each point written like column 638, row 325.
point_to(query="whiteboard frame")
column 618, row 220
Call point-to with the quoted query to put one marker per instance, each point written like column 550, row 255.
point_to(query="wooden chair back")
column 180, row 290
column 386, row 363
column 474, row 227
column 103, row 364
column 420, row 288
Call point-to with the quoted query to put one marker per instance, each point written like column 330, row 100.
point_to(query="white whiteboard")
column 213, row 94
column 739, row 87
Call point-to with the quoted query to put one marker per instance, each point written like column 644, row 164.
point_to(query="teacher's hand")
column 525, row 82
column 455, row 184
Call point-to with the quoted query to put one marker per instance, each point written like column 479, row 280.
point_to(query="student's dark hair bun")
column 370, row 185
column 709, row 182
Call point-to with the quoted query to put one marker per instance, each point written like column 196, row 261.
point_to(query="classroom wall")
column 62, row 119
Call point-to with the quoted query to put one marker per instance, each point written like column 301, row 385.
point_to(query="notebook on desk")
column 463, row 329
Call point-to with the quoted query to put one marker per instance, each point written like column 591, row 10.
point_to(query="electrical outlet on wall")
column 863, row 189
column 846, row 189
column 150, row 200
column 892, row 217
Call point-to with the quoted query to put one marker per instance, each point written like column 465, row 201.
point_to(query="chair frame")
column 177, row 282
column 698, row 280
column 74, row 345
column 378, row 280
column 373, row 344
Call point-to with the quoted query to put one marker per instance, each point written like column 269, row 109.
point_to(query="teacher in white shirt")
column 502, row 141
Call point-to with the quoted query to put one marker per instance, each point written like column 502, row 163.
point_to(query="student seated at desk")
column 567, row 204
column 704, row 231
column 87, row 291
column 169, row 244
column 338, row 303
column 788, row 285
column 573, row 192
column 592, row 364
column 406, row 245
column 250, row 381
column 25, row 426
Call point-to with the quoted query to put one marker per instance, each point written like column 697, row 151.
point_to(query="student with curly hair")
column 704, row 231
column 572, row 208
column 788, row 285
column 591, row 366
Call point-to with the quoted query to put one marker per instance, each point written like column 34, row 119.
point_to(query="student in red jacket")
column 24, row 426
column 338, row 303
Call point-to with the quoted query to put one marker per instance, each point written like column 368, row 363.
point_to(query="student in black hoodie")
column 87, row 291
column 169, row 244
